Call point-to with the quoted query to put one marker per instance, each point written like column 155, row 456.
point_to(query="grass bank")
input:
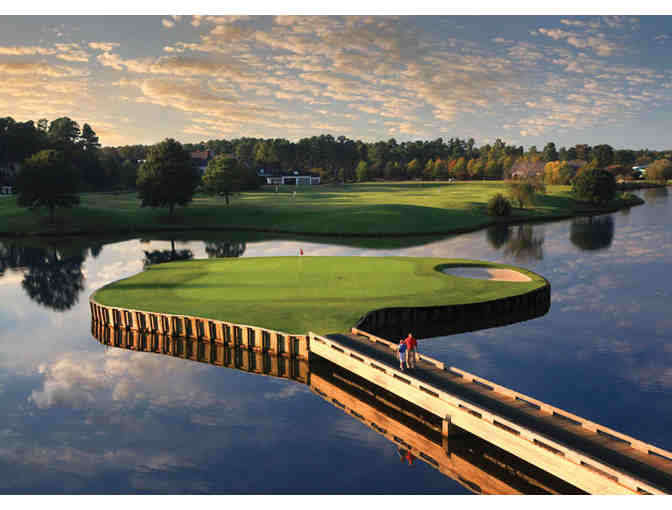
column 374, row 209
column 301, row 294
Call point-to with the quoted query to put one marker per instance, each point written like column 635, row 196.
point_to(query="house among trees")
column 200, row 159
column 639, row 171
column 525, row 169
column 291, row 177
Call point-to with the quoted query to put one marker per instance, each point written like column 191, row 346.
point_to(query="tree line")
column 334, row 159
column 343, row 159
column 98, row 168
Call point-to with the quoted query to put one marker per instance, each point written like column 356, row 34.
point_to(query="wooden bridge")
column 587, row 456
column 593, row 458
column 474, row 463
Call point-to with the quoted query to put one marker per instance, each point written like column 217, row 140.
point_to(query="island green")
column 301, row 294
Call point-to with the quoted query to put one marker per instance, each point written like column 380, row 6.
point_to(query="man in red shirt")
column 411, row 350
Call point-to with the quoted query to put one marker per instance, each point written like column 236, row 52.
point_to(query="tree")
column 362, row 171
column 89, row 139
column 167, row 177
column 604, row 155
column 522, row 192
column 63, row 133
column 493, row 169
column 558, row 172
column 595, row 185
column 499, row 205
column 549, row 153
column 225, row 176
column 128, row 174
column 413, row 169
column 460, row 169
column 48, row 180
column 659, row 170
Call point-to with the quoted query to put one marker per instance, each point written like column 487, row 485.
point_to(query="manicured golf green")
column 301, row 294
column 361, row 209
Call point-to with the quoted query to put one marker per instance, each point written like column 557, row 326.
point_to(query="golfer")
column 402, row 354
column 411, row 350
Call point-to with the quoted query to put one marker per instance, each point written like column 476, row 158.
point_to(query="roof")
column 527, row 168
column 204, row 155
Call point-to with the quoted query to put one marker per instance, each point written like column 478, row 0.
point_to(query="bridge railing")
column 202, row 328
column 538, row 404
column 393, row 346
column 462, row 405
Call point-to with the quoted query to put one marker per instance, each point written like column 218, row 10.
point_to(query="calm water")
column 79, row 417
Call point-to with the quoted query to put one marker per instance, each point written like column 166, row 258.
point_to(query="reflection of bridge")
column 596, row 459
column 544, row 449
column 476, row 464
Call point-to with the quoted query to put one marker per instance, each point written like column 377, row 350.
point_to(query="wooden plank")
column 589, row 481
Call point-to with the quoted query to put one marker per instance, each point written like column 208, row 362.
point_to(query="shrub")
column 595, row 186
column 659, row 170
column 499, row 205
column 522, row 193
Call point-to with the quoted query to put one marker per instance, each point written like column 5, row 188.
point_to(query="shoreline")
column 448, row 232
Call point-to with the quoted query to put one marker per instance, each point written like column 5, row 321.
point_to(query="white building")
column 291, row 177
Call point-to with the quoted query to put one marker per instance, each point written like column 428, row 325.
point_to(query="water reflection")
column 52, row 276
column 160, row 256
column 592, row 233
column 523, row 243
column 474, row 463
column 222, row 249
column 655, row 195
column 76, row 416
column 497, row 235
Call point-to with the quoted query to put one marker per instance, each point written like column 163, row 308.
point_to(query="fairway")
column 399, row 208
column 301, row 294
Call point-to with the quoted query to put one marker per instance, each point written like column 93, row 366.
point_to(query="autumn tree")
column 558, row 172
column 413, row 169
column 659, row 170
column 460, row 169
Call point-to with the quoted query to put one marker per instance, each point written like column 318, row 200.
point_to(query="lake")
column 81, row 417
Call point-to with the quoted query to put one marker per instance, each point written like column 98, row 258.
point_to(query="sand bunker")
column 487, row 273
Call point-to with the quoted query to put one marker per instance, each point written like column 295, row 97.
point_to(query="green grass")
column 369, row 208
column 301, row 294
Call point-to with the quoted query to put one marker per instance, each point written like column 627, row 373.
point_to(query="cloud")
column 38, row 69
column 573, row 22
column 104, row 46
column 26, row 50
column 597, row 43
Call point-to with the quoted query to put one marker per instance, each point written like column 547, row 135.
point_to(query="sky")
column 528, row 80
